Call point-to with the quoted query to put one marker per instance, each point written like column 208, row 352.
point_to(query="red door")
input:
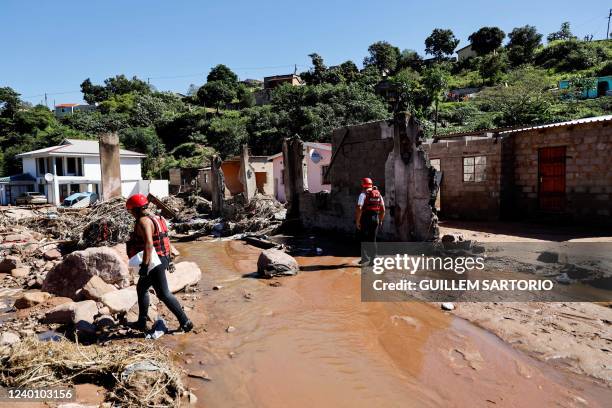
column 551, row 169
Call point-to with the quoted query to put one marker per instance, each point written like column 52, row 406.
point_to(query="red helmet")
column 366, row 182
column 136, row 201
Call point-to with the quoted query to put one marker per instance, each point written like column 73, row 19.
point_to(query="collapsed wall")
column 390, row 153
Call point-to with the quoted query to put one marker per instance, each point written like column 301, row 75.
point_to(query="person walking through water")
column 151, row 234
column 369, row 215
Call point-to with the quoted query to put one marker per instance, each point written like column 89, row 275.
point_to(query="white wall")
column 91, row 168
column 130, row 168
column 159, row 188
column 279, row 185
column 29, row 166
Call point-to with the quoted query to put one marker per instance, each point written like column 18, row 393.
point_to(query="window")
column 325, row 175
column 435, row 163
column 40, row 166
column 282, row 179
column 71, row 166
column 79, row 168
column 474, row 169
column 59, row 166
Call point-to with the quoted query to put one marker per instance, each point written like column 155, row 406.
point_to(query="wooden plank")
column 165, row 210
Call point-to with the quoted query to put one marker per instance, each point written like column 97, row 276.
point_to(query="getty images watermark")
column 502, row 272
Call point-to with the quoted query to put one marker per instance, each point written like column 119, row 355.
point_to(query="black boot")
column 187, row 326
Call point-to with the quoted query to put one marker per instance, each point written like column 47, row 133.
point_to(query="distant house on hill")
column 263, row 96
column 465, row 53
column 64, row 109
column 602, row 88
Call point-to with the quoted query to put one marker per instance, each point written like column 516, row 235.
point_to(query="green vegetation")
column 518, row 82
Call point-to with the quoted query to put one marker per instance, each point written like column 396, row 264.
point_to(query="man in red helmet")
column 151, row 234
column 369, row 214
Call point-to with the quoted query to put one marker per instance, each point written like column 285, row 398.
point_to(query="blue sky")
column 52, row 46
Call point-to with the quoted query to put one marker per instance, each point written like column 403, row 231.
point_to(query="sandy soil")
column 574, row 336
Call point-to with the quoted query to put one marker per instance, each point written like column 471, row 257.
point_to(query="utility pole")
column 46, row 104
column 608, row 30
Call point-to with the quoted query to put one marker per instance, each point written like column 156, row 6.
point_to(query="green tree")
column 383, row 56
column 245, row 96
column 492, row 67
column 486, row 40
column 564, row 34
column 349, row 71
column 580, row 85
column 410, row 59
column 144, row 140
column 435, row 80
column 523, row 44
column 525, row 99
column 117, row 85
column 441, row 42
column 216, row 94
column 9, row 102
column 571, row 55
column 222, row 73
column 227, row 133
column 316, row 75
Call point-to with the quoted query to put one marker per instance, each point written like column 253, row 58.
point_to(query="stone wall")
column 390, row 153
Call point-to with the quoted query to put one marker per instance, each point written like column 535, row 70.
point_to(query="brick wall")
column 588, row 169
column 468, row 199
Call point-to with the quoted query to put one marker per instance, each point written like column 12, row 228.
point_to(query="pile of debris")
column 135, row 374
column 262, row 215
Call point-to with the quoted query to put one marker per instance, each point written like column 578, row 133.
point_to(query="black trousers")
column 157, row 279
column 367, row 233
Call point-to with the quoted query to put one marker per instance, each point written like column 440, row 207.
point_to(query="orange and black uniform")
column 157, row 276
column 371, row 203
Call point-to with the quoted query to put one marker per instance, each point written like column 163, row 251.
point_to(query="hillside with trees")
column 515, row 73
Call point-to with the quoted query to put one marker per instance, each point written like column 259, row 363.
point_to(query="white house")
column 74, row 166
column 64, row 109
column 317, row 163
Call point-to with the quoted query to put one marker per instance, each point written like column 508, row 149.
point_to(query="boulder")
column 76, row 269
column 121, row 250
column 132, row 314
column 30, row 299
column 52, row 255
column 9, row 263
column 120, row 301
column 95, row 288
column 185, row 274
column 73, row 312
column 548, row 257
column 20, row 272
column 8, row 339
column 16, row 238
column 274, row 262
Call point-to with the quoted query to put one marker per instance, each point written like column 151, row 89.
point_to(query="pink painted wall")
column 315, row 176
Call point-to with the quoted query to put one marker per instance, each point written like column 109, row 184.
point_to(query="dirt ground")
column 576, row 336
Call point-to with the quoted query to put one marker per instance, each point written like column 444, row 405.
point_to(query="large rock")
column 9, row 338
column 21, row 272
column 73, row 312
column 95, row 288
column 274, row 262
column 67, row 277
column 52, row 255
column 9, row 263
column 30, row 299
column 186, row 274
column 120, row 301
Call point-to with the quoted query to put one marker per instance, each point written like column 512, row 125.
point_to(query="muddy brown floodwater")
column 311, row 342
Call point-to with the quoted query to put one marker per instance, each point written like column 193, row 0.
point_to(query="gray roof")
column 76, row 147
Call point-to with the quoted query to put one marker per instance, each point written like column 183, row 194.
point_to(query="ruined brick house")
column 559, row 170
column 390, row 153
